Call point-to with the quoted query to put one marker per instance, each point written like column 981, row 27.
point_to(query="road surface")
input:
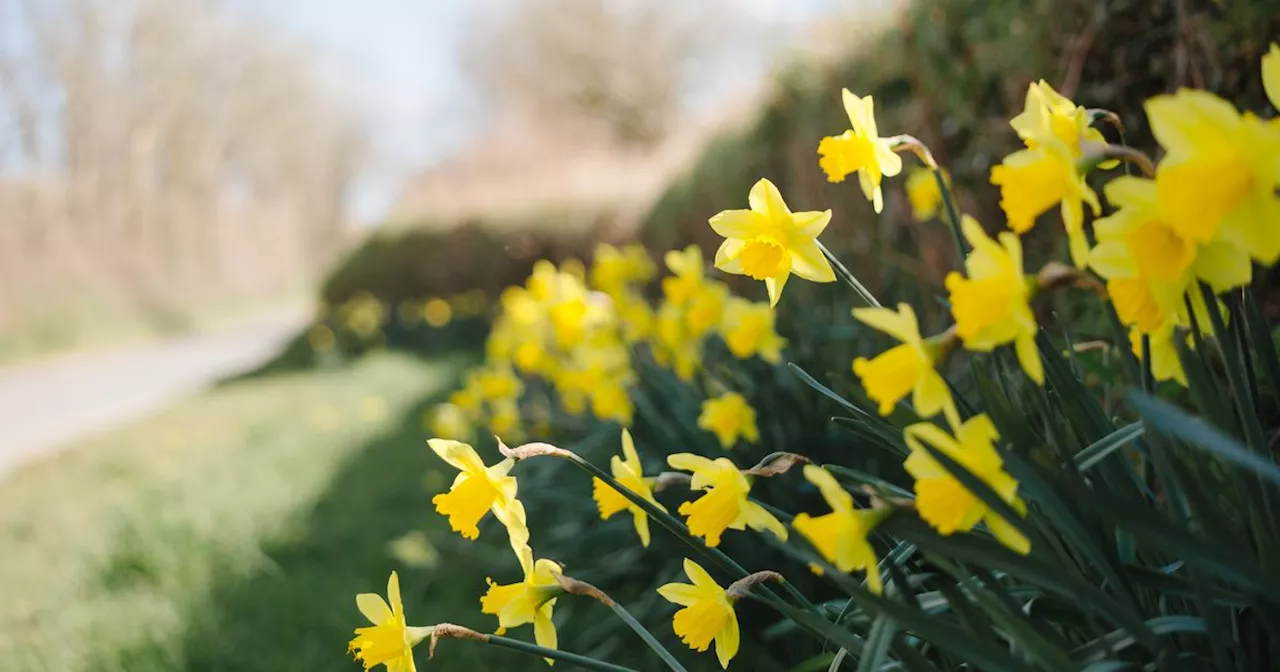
column 44, row 405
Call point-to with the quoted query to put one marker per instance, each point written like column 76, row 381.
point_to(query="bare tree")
column 171, row 148
column 621, row 67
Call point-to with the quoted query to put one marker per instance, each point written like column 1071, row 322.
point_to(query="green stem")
column 848, row 277
column 647, row 636
column 953, row 215
column 554, row 654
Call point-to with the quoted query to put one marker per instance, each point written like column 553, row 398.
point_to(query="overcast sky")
column 399, row 60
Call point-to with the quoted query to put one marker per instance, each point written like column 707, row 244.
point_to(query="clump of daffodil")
column 923, row 193
column 1032, row 181
column 1220, row 172
column 748, row 329
column 860, row 149
column 724, row 504
column 769, row 242
column 904, row 369
column 478, row 490
column 841, row 536
column 730, row 418
column 529, row 601
column 1149, row 265
column 628, row 472
column 389, row 641
column 707, row 614
column 991, row 306
column 942, row 501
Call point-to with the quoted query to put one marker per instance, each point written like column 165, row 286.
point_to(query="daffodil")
column 923, row 193
column 903, row 369
column 686, row 268
column 390, row 640
column 530, row 601
column 841, row 536
column 1149, row 265
column 1220, row 172
column 1032, row 181
column 610, row 269
column 449, row 422
column 769, row 242
column 992, row 306
column 942, row 501
column 628, row 472
column 729, row 417
column 724, row 505
column 1165, row 363
column 707, row 613
column 860, row 149
column 705, row 309
column 1048, row 113
column 1271, row 75
column 478, row 490
column 748, row 329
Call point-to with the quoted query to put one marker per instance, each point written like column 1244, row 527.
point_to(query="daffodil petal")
column 374, row 608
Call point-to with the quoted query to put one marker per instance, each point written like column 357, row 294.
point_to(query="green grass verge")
column 232, row 531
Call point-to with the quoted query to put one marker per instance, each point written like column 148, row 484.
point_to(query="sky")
column 398, row 61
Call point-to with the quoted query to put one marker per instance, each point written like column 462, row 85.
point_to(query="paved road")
column 46, row 404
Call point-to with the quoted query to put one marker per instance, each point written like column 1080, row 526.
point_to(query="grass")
column 232, row 531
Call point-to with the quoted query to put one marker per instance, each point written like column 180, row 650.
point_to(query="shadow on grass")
column 296, row 611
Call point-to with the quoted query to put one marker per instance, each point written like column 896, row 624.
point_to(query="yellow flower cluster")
column 1206, row 212
column 580, row 332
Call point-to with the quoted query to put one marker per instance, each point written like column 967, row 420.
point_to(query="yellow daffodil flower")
column 1271, row 75
column 530, row 601
column 1049, row 113
column 610, row 269
column 390, row 640
column 1220, row 172
column 860, row 149
column 841, row 536
column 635, row 316
column 504, row 418
column 1032, row 181
column 1165, row 364
column 628, row 472
column 748, row 329
column 478, row 490
column 705, row 309
column 447, row 421
column 905, row 368
column 923, row 193
column 707, row 614
column 729, row 417
column 686, row 268
column 769, row 242
column 725, row 504
column 1149, row 265
column 942, row 501
column 992, row 306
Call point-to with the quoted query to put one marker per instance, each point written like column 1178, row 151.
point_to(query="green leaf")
column 989, row 554
column 1119, row 640
column 1171, row 420
column 1100, row 449
column 877, row 644
column 826, row 391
